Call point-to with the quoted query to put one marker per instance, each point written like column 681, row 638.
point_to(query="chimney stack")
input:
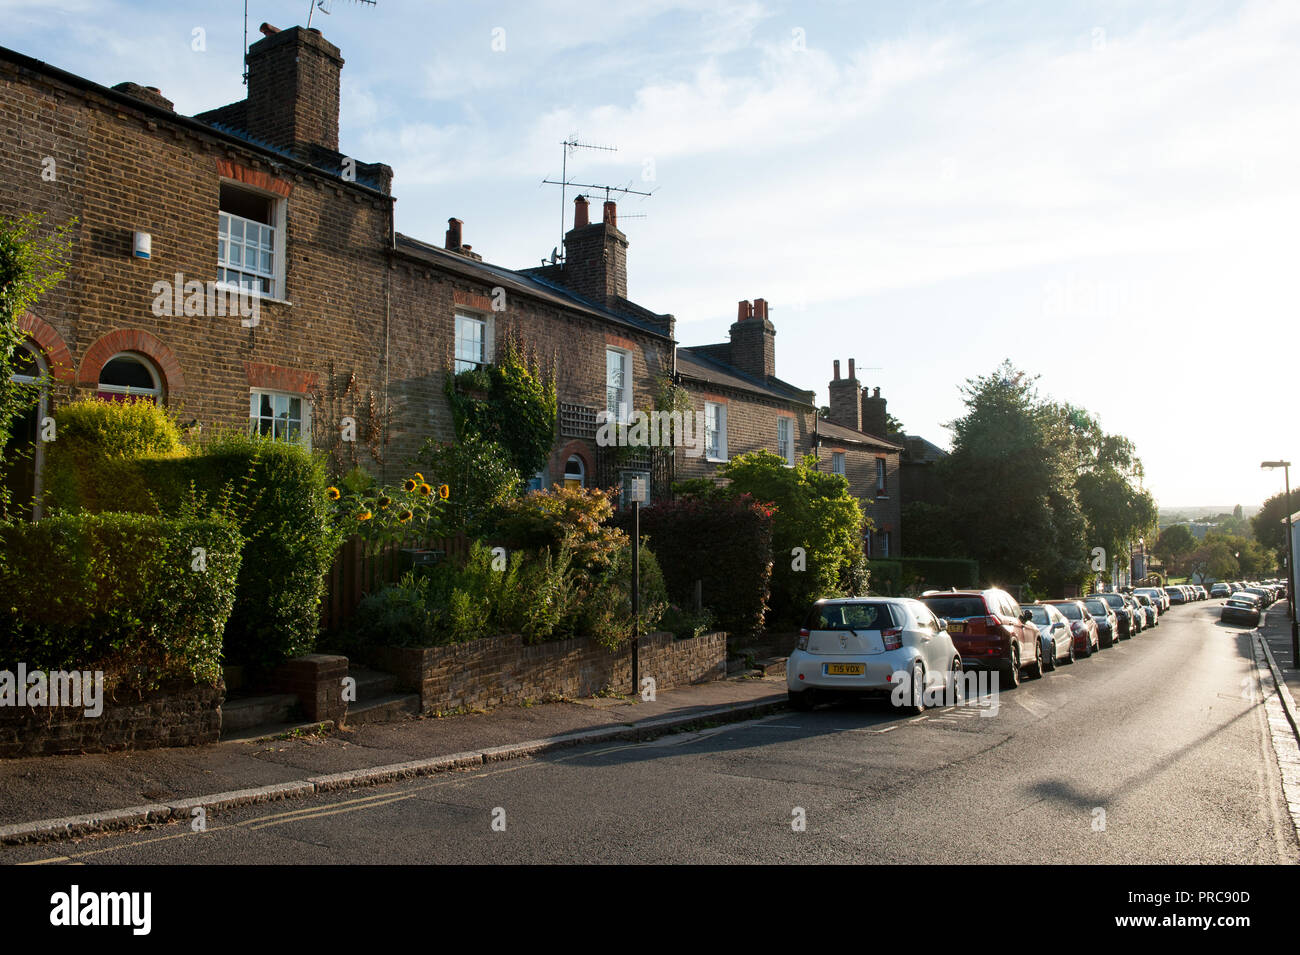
column 453, row 234
column 843, row 393
column 753, row 341
column 874, row 418
column 293, row 90
column 595, row 262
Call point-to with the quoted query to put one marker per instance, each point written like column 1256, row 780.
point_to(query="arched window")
column 575, row 472
column 128, row 375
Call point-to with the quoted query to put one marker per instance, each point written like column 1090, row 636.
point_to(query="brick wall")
column 503, row 670
column 751, row 426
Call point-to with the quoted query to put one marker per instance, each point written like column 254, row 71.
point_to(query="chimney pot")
column 744, row 310
column 610, row 213
column 454, row 233
column 268, row 30
column 875, row 393
column 580, row 211
column 760, row 309
column 853, row 373
column 837, row 369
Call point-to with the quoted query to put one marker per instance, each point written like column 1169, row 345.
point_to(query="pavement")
column 61, row 796
column 1275, row 628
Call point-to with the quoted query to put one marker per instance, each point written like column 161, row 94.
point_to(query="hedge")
column 894, row 577
column 128, row 594
column 724, row 543
column 273, row 492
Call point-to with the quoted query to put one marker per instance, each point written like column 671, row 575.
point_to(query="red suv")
column 990, row 631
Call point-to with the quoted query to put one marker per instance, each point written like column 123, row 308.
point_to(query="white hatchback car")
column 866, row 646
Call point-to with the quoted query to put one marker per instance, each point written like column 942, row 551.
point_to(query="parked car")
column 1054, row 633
column 1107, row 622
column 1123, row 616
column 1136, row 615
column 1238, row 609
column 1149, row 606
column 991, row 631
column 1264, row 594
column 856, row 646
column 1082, row 626
column 1220, row 590
column 1157, row 596
column 1176, row 595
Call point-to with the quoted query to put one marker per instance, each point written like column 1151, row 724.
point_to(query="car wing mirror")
column 943, row 624
column 1026, row 616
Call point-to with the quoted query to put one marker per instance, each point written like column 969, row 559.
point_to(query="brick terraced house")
column 253, row 201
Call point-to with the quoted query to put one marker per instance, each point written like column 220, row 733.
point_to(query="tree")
column 1213, row 560
column 30, row 265
column 1269, row 526
column 1174, row 543
column 1013, row 501
column 1236, row 512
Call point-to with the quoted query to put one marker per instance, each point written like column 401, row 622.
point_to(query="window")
column 837, row 463
column 280, row 417
column 785, row 439
column 884, row 544
column 129, row 376
column 618, row 384
column 715, row 431
column 473, row 341
column 866, row 543
column 538, row 481
column 575, row 473
column 22, row 471
column 250, row 241
column 625, row 490
column 880, row 477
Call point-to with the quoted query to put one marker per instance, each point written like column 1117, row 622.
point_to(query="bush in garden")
column 382, row 515
column 480, row 478
column 275, row 494
column 604, row 604
column 575, row 517
column 145, row 599
column 726, row 544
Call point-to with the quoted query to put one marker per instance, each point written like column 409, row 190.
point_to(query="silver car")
column 1054, row 634
column 869, row 646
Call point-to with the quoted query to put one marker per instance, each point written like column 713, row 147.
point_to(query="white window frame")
column 837, row 463
column 721, row 407
column 304, row 427
column 884, row 545
column 882, row 476
column 276, row 277
column 623, row 412
column 784, row 424
column 487, row 348
column 582, row 470
column 156, row 393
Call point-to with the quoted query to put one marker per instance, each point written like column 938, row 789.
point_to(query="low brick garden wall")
column 170, row 716
column 499, row 670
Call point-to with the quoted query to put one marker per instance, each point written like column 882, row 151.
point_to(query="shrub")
column 575, row 517
column 685, row 624
column 479, row 476
column 387, row 514
column 125, row 593
column 275, row 493
column 604, row 603
column 726, row 543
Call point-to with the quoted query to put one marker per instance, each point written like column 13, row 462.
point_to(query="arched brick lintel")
column 62, row 367
column 136, row 340
column 561, row 459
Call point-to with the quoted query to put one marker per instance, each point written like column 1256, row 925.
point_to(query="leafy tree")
column 30, row 265
column 1269, row 526
column 1213, row 560
column 929, row 530
column 1175, row 543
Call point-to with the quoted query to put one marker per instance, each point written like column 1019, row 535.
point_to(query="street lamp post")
column 1290, row 559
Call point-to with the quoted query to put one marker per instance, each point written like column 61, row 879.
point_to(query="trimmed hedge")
column 908, row 574
column 273, row 492
column 123, row 593
column 726, row 544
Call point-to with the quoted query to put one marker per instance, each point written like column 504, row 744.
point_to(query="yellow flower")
column 410, row 485
column 384, row 501
column 364, row 516
column 404, row 516
column 425, row 490
column 419, row 477
column 333, row 493
column 444, row 491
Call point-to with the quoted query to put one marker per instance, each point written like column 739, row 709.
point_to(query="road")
column 1154, row 751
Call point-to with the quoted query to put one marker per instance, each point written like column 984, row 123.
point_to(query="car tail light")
column 893, row 638
column 1076, row 627
column 802, row 642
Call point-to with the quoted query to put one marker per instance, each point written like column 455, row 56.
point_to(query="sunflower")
column 384, row 501
column 404, row 515
column 425, row 490
column 333, row 493
column 444, row 491
column 410, row 485
column 419, row 477
column 364, row 516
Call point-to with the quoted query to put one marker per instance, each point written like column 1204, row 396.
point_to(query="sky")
column 1104, row 193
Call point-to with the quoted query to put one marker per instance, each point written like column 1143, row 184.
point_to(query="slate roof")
column 698, row 364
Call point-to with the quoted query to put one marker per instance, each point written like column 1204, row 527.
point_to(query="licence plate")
column 956, row 626
column 846, row 669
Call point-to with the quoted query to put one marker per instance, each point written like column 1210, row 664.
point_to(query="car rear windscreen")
column 956, row 608
column 1070, row 611
column 1096, row 606
column 854, row 616
column 1115, row 600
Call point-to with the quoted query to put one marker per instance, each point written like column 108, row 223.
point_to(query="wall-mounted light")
column 142, row 245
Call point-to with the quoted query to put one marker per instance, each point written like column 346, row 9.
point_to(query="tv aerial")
column 570, row 145
column 322, row 5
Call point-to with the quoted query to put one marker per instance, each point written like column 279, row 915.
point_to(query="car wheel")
column 1050, row 660
column 1070, row 659
column 1039, row 666
column 802, row 701
column 1011, row 670
column 918, row 688
column 954, row 686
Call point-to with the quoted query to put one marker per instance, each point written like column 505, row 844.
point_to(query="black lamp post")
column 1290, row 559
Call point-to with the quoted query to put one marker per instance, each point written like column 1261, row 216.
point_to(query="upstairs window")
column 837, row 463
column 473, row 334
column 250, row 241
column 618, row 384
column 785, row 439
column 880, row 477
column 715, row 431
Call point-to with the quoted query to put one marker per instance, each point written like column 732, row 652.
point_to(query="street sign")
column 639, row 490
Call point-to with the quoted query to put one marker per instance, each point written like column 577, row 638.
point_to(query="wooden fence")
column 360, row 569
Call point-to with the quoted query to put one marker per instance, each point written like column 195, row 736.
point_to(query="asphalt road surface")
column 1154, row 751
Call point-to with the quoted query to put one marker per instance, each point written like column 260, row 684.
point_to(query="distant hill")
column 1199, row 512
